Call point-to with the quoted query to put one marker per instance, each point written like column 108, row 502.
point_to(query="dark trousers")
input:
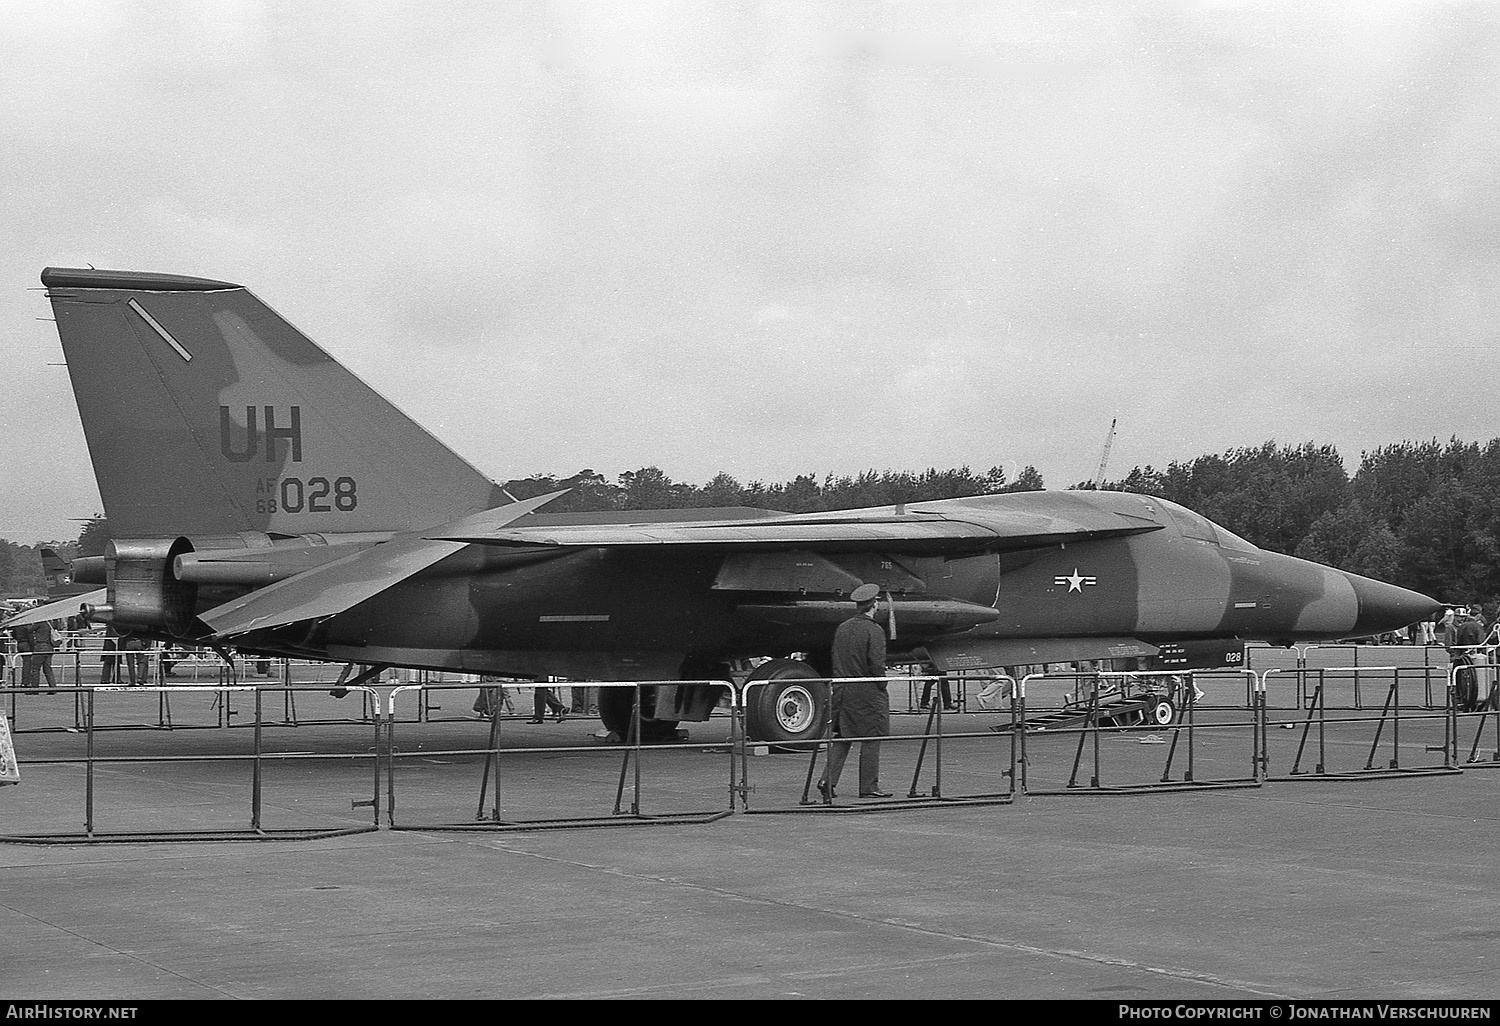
column 542, row 700
column 869, row 764
column 36, row 665
column 866, row 723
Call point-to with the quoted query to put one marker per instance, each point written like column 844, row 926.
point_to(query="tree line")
column 1424, row 515
column 649, row 488
column 21, row 567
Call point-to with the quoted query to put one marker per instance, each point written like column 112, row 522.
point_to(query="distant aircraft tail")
column 57, row 570
column 206, row 413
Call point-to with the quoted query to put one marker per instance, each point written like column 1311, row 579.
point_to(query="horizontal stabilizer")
column 337, row 586
column 59, row 610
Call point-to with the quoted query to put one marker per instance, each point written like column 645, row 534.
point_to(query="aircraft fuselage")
column 611, row 613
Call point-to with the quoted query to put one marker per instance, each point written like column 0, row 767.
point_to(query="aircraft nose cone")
column 1385, row 607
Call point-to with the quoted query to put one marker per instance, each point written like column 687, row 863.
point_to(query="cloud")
column 708, row 237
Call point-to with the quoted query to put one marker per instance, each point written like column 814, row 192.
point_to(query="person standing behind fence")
column 863, row 709
column 42, row 647
column 22, row 634
column 134, row 658
column 109, row 662
column 1429, row 631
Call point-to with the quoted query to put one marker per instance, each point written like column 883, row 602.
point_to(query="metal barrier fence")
column 1358, row 666
column 92, row 762
column 1474, row 697
column 930, row 739
column 1099, row 733
column 629, row 806
column 1133, row 707
column 1309, row 686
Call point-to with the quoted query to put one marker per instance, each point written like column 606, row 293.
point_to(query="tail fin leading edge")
column 206, row 413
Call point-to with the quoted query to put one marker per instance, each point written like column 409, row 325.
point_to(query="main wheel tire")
column 617, row 708
column 1161, row 711
column 792, row 707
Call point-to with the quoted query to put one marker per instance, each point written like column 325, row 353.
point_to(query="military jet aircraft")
column 261, row 496
column 59, row 572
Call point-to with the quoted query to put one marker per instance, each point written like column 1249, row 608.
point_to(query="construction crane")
column 1109, row 440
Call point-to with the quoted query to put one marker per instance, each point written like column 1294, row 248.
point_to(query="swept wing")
column 929, row 530
column 59, row 610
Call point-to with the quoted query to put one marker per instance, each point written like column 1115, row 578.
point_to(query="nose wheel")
column 1160, row 711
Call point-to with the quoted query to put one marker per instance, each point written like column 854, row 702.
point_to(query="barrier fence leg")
column 1191, row 705
column 255, row 772
column 937, row 746
column 1260, row 756
column 1452, row 700
column 491, row 764
column 1091, row 726
column 1015, row 743
column 88, row 802
column 740, row 730
column 375, row 785
column 1018, row 726
column 1322, row 727
column 1317, row 703
column 1385, row 710
column 916, row 774
column 1166, row 773
column 390, row 761
column 736, row 754
column 1185, row 722
column 633, row 748
column 1396, row 719
column 1478, row 734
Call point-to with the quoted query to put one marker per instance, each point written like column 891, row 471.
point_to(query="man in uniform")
column 40, row 663
column 863, row 709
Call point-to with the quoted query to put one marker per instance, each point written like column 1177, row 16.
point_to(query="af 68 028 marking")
column 312, row 496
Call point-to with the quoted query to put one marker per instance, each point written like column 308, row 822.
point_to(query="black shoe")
column 826, row 791
column 562, row 714
column 533, row 721
column 875, row 794
column 950, row 708
column 924, row 705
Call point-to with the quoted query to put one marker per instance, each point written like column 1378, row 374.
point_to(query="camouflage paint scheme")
column 287, row 508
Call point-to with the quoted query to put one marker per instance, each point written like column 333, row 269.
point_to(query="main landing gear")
column 791, row 705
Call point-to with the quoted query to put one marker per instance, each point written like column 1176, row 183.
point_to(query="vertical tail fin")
column 206, row 413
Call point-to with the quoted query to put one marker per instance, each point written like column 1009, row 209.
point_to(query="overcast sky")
column 782, row 238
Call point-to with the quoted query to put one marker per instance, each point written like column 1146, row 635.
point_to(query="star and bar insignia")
column 1076, row 582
